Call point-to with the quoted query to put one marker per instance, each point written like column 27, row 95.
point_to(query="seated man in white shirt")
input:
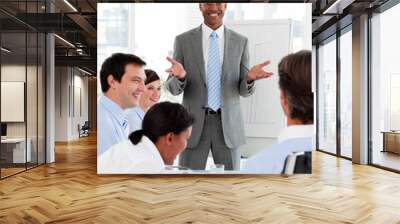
column 298, row 105
column 165, row 130
column 122, row 83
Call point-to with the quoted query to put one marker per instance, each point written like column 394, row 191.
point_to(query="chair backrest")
column 297, row 163
column 303, row 163
column 86, row 125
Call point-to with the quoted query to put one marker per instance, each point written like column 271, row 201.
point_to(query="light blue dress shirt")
column 271, row 160
column 135, row 117
column 113, row 125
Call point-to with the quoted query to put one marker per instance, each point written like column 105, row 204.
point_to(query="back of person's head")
column 161, row 119
column 295, row 82
column 151, row 76
column 115, row 66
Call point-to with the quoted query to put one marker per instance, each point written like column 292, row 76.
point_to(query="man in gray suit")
column 211, row 68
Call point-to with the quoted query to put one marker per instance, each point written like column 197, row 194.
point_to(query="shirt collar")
column 296, row 131
column 140, row 112
column 207, row 31
column 116, row 111
column 136, row 110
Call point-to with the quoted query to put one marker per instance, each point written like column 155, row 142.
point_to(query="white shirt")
column 296, row 131
column 112, row 124
column 206, row 43
column 127, row 158
column 295, row 138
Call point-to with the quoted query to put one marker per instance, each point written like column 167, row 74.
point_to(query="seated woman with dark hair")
column 297, row 102
column 165, row 130
column 149, row 97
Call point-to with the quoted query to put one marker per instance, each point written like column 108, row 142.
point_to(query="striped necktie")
column 214, row 74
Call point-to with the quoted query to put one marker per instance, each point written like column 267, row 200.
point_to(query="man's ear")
column 284, row 102
column 111, row 81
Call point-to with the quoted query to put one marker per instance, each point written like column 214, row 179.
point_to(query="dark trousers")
column 212, row 138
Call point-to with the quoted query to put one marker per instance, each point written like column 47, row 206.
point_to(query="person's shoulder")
column 133, row 111
column 104, row 106
column 188, row 33
column 297, row 144
column 104, row 118
column 271, row 159
column 263, row 161
column 283, row 148
column 126, row 144
column 235, row 34
column 266, row 152
column 120, row 150
column 267, row 160
column 100, row 102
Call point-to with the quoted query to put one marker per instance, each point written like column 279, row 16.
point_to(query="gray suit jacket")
column 189, row 52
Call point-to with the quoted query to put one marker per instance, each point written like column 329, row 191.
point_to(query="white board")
column 12, row 101
column 268, row 40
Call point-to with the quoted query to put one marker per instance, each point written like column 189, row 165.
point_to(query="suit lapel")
column 228, row 40
column 197, row 45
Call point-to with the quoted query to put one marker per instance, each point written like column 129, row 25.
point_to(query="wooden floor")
column 387, row 159
column 70, row 191
column 10, row 171
column 5, row 172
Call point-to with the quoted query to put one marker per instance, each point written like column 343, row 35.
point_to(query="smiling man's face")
column 213, row 14
column 131, row 86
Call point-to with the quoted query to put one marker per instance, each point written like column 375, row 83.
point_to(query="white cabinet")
column 17, row 146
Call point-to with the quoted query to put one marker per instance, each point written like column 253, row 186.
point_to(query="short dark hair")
column 161, row 119
column 115, row 66
column 295, row 81
column 151, row 76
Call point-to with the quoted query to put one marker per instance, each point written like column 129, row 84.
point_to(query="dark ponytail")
column 161, row 119
column 136, row 136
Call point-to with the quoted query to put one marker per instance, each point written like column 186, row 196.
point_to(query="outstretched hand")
column 257, row 72
column 176, row 69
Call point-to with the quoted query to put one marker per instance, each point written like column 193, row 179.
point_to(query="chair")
column 84, row 130
column 297, row 163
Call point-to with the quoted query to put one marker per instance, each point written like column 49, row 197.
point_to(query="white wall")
column 71, row 94
column 14, row 72
column 33, row 126
column 80, row 103
column 61, row 103
column 17, row 73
